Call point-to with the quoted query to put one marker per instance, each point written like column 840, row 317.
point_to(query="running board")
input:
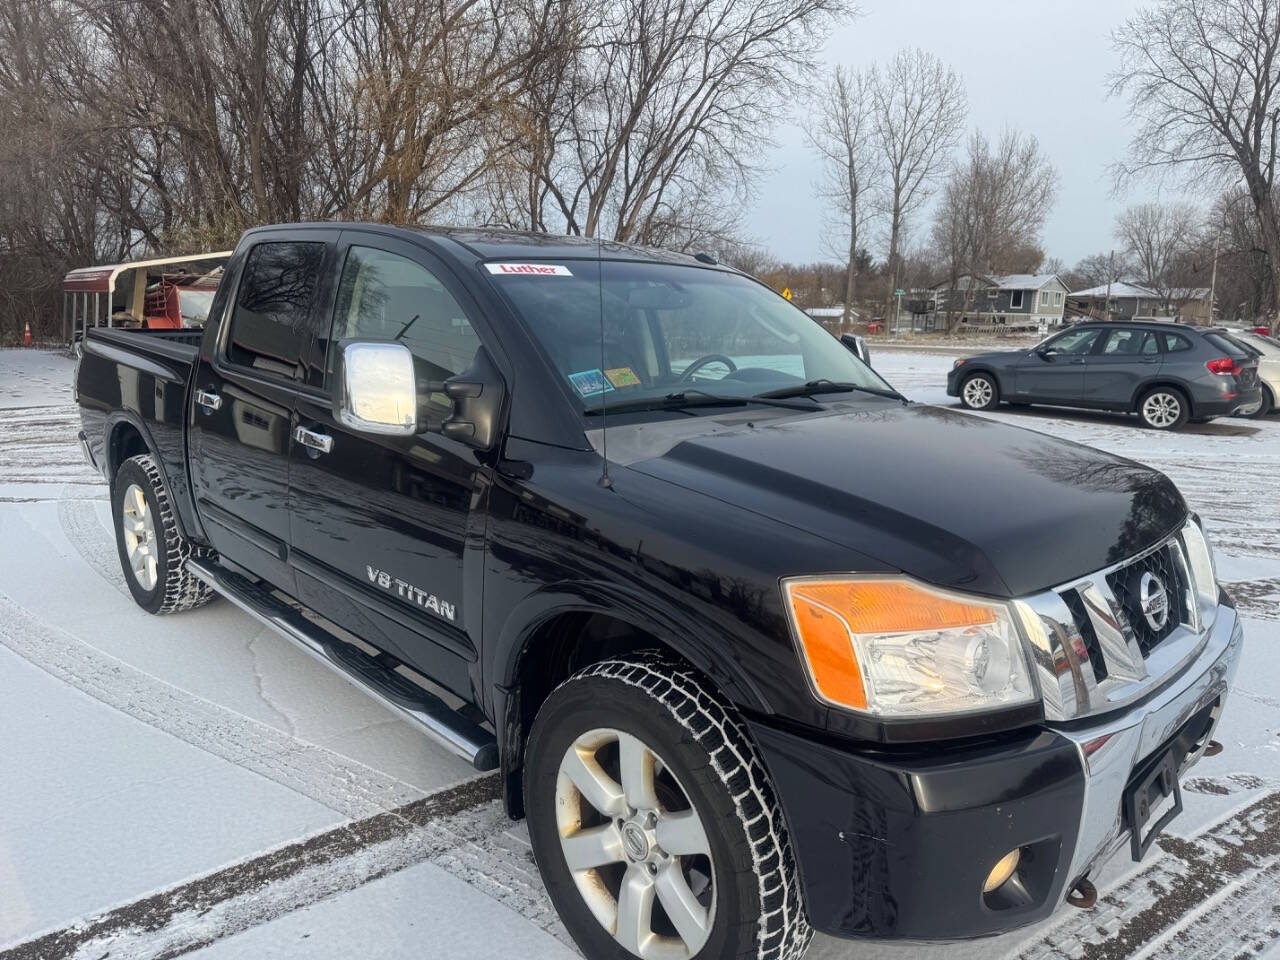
column 457, row 734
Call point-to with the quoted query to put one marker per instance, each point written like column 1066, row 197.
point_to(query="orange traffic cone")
column 26, row 335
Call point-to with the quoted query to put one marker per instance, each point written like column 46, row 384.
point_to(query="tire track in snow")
column 1207, row 898
column 85, row 532
column 260, row 889
column 339, row 783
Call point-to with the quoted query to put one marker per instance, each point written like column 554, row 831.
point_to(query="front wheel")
column 654, row 823
column 979, row 392
column 1268, row 404
column 1163, row 408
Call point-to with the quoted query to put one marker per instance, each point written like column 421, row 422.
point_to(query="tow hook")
column 1213, row 749
column 1083, row 895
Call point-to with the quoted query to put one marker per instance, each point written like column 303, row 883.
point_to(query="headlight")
column 958, row 363
column 894, row 648
column 1204, row 574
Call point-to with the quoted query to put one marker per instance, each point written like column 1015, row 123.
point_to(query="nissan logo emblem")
column 1154, row 601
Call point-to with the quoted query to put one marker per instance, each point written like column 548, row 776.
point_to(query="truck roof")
column 491, row 243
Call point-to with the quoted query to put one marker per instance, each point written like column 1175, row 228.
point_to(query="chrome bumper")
column 1134, row 735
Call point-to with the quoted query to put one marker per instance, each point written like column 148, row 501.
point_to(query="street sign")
column 786, row 293
column 899, row 293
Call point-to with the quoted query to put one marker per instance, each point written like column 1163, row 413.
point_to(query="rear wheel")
column 979, row 392
column 1163, row 408
column 654, row 823
column 153, row 554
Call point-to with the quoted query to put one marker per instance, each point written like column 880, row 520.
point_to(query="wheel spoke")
column 634, row 928
column 681, row 834
column 139, row 502
column 635, row 761
column 598, row 789
column 687, row 915
column 593, row 847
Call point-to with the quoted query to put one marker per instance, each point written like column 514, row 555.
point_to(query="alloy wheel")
column 635, row 845
column 139, row 529
column 1161, row 409
column 978, row 392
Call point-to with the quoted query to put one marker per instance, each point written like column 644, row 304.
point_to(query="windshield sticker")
column 590, row 383
column 529, row 269
column 622, row 377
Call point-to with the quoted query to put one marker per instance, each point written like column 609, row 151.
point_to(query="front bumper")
column 897, row 845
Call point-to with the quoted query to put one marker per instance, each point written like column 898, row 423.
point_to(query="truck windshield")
column 673, row 332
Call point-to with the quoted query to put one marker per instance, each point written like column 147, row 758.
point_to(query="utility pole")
column 1111, row 269
column 1213, row 276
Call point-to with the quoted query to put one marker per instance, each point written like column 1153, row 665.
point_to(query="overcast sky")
column 1040, row 66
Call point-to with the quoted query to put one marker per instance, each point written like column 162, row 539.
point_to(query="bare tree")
column 1099, row 269
column 655, row 123
column 1159, row 239
column 994, row 206
column 1202, row 78
column 843, row 135
column 920, row 113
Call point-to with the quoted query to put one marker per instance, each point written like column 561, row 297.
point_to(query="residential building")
column 1009, row 301
column 1136, row 301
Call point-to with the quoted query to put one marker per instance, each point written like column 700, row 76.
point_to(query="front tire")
column 654, row 822
column 979, row 392
column 1163, row 408
column 1268, row 404
column 153, row 555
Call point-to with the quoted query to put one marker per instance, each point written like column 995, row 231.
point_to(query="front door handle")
column 320, row 442
column 209, row 400
column 1078, row 360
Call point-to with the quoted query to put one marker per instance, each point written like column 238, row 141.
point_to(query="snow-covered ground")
column 193, row 785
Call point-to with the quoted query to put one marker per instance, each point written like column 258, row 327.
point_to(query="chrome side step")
column 456, row 733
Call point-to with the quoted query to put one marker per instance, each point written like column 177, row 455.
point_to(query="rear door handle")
column 209, row 400
column 320, row 442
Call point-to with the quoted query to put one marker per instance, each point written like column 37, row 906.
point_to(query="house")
column 832, row 316
column 1136, row 301
column 1009, row 301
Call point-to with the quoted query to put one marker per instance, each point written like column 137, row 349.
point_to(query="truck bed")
column 131, row 386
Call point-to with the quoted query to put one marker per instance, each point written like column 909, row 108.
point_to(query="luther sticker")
column 528, row 269
column 622, row 377
column 590, row 383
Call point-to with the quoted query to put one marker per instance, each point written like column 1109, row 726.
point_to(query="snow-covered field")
column 193, row 785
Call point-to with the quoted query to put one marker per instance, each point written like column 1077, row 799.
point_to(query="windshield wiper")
column 693, row 398
column 815, row 387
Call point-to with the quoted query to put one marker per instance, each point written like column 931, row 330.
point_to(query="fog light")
column 1002, row 871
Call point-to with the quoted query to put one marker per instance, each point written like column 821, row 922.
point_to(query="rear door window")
column 272, row 320
column 1129, row 343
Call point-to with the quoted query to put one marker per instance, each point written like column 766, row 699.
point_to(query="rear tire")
column 153, row 555
column 1164, row 408
column 740, row 886
column 979, row 392
column 1268, row 404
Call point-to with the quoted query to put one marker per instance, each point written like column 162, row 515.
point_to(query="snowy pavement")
column 195, row 785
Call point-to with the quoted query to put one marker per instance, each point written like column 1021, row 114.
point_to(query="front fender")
column 682, row 634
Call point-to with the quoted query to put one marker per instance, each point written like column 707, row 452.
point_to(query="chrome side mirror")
column 857, row 346
column 377, row 388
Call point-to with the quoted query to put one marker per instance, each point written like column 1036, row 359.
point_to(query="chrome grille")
column 1167, row 566
column 1100, row 641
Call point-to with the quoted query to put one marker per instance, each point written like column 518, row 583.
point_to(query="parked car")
column 1267, row 351
column 1166, row 373
column 683, row 560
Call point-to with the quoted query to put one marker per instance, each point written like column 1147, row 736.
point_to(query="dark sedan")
column 1166, row 373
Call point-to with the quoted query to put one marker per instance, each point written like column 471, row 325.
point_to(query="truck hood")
column 952, row 499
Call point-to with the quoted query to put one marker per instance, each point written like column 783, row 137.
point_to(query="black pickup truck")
column 757, row 645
